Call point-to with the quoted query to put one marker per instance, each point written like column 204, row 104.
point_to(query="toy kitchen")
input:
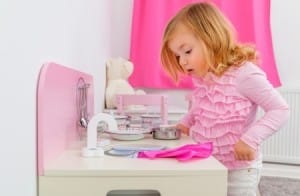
column 115, row 152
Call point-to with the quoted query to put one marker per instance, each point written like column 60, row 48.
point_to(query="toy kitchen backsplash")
column 59, row 91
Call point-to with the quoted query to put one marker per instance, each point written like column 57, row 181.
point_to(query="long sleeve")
column 253, row 84
column 187, row 120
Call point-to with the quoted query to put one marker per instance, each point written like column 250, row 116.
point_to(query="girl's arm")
column 253, row 84
column 186, row 122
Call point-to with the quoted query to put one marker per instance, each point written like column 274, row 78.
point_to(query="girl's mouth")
column 190, row 71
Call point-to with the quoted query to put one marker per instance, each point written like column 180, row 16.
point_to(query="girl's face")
column 189, row 51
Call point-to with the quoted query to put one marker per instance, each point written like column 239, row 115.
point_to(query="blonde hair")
column 208, row 24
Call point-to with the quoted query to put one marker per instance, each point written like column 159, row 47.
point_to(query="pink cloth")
column 183, row 153
column 223, row 110
column 250, row 17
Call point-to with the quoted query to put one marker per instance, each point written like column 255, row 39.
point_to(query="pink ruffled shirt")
column 223, row 110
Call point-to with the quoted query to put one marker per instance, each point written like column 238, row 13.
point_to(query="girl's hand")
column 183, row 129
column 243, row 151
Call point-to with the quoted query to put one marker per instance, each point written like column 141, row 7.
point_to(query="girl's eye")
column 188, row 52
column 177, row 58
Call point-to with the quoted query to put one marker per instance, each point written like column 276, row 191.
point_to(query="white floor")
column 281, row 170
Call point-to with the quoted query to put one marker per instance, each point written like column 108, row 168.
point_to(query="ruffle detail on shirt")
column 218, row 130
column 220, row 113
column 227, row 139
column 217, row 101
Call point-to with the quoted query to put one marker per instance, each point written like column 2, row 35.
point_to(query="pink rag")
column 182, row 153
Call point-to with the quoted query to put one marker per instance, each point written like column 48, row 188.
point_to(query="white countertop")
column 71, row 163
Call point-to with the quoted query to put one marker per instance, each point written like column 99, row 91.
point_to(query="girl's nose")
column 182, row 61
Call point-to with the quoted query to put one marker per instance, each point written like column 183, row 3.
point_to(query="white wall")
column 74, row 33
column 120, row 27
column 82, row 34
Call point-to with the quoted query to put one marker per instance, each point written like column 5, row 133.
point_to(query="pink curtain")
column 251, row 18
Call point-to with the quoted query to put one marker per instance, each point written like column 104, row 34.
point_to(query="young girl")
column 199, row 42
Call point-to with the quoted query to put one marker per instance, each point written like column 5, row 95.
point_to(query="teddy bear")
column 118, row 71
